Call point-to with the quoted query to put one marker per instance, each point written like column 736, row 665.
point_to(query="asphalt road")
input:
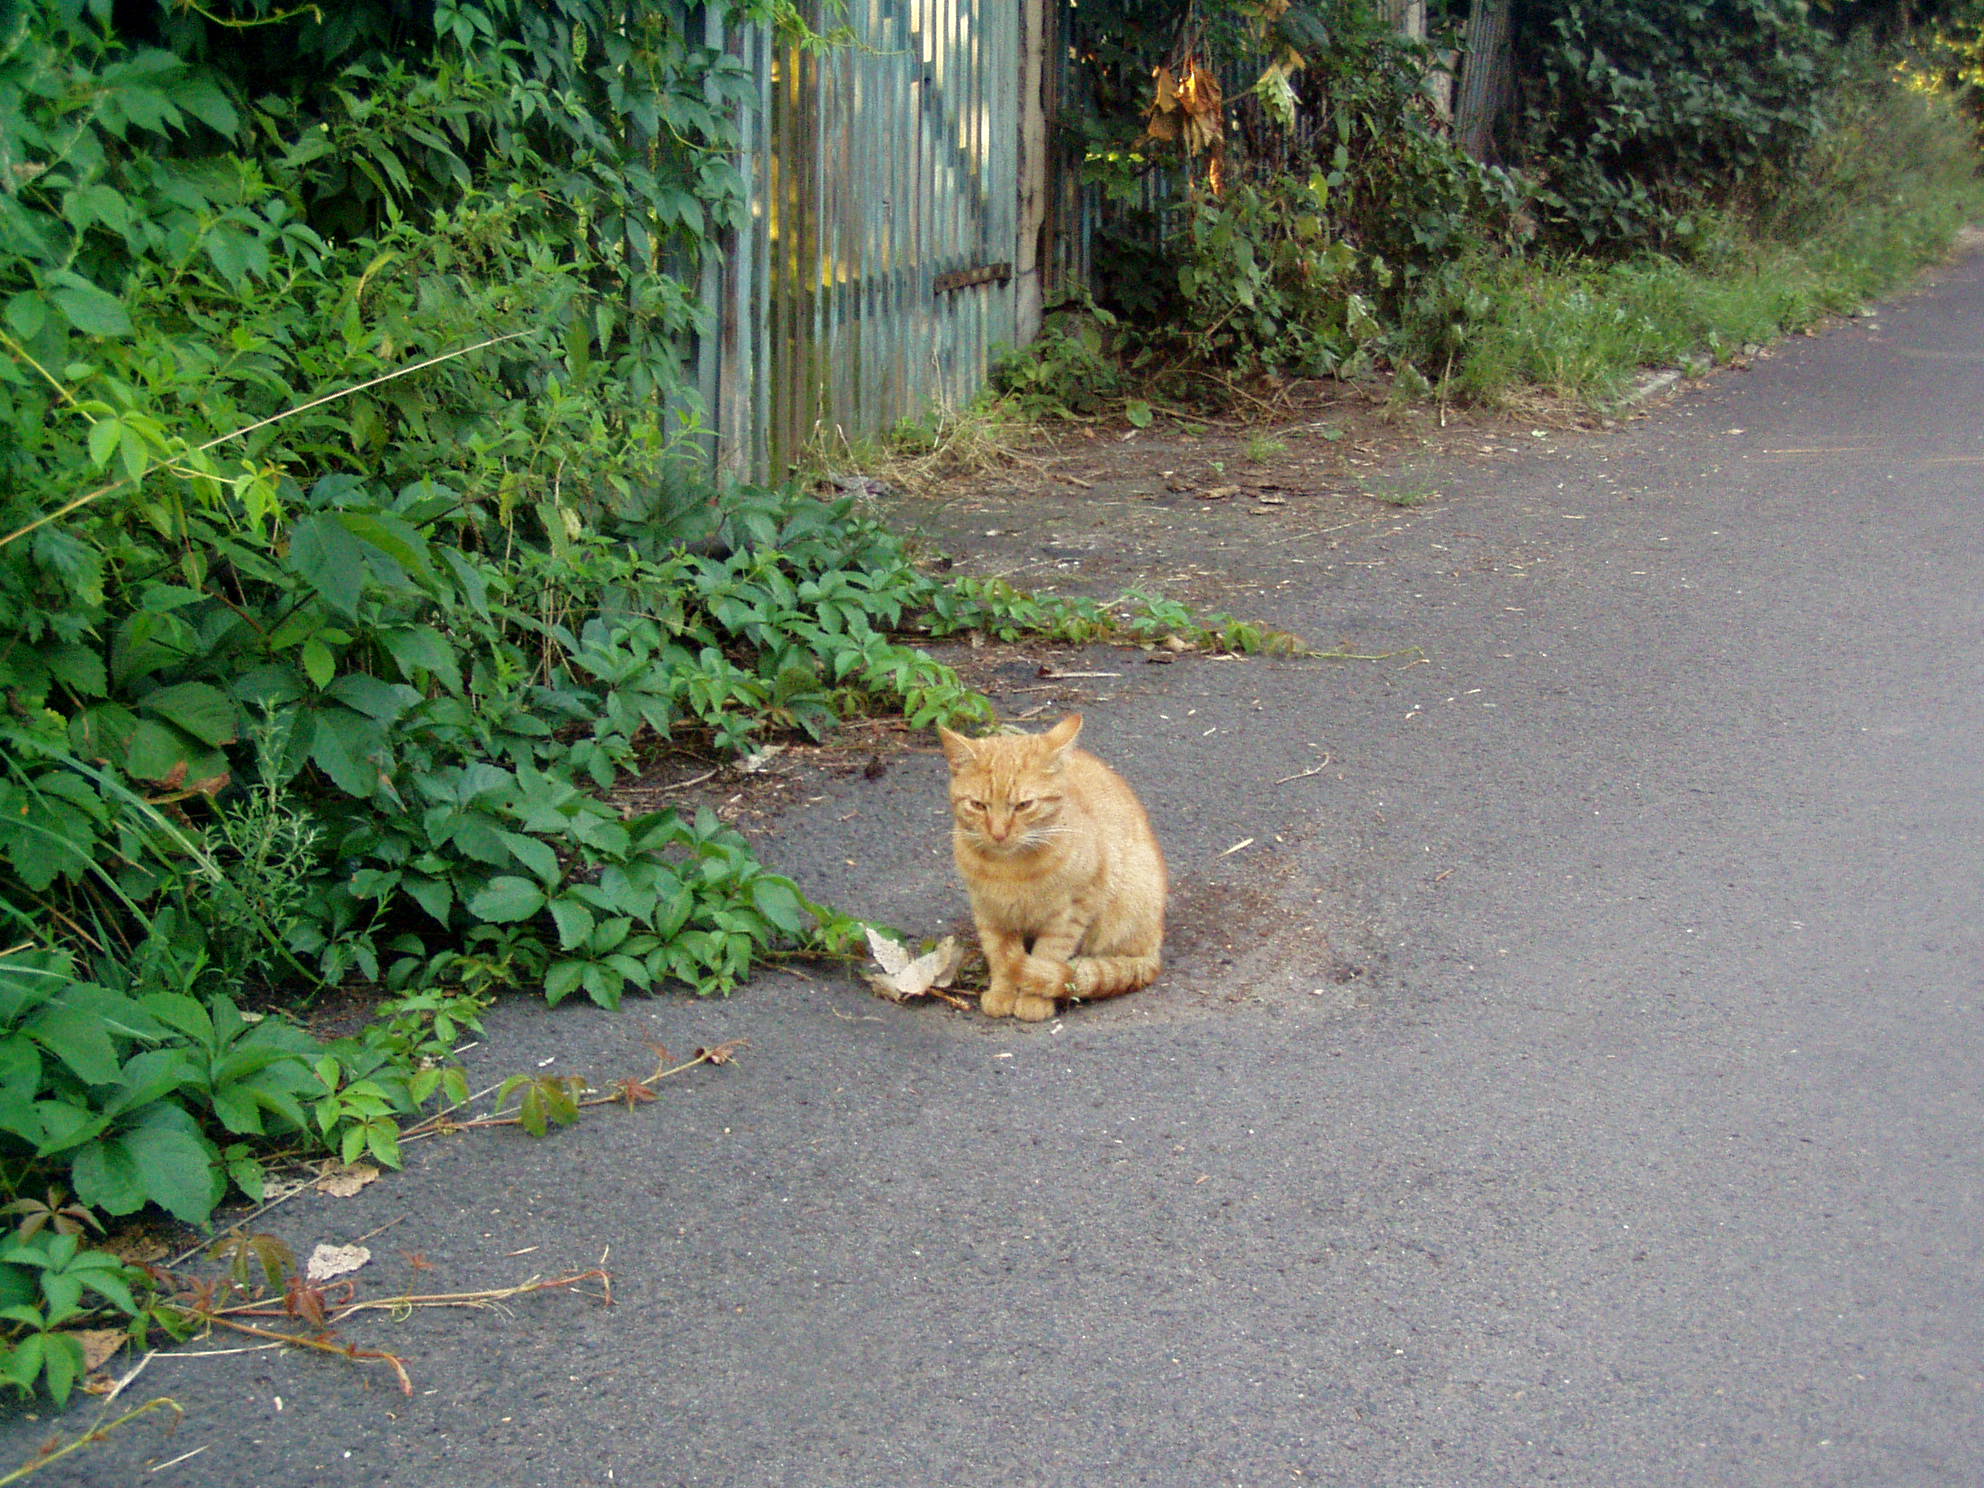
column 1575, row 1081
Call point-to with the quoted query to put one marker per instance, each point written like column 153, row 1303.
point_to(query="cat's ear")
column 1062, row 736
column 957, row 748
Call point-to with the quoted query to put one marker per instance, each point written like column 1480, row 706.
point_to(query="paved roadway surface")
column 1577, row 1081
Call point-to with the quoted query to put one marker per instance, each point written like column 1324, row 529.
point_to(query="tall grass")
column 1886, row 189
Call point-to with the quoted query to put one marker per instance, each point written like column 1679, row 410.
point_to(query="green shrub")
column 1638, row 114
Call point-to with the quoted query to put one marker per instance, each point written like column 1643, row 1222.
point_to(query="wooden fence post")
column 1484, row 78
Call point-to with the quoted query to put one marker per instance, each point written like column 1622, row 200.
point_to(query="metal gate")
column 899, row 204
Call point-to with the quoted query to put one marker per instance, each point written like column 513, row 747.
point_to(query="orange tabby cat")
column 1066, row 879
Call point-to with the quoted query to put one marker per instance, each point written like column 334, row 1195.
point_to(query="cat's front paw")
column 998, row 1001
column 1045, row 979
column 1034, row 1009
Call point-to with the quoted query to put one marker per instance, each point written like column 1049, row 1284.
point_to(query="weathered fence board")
column 900, row 191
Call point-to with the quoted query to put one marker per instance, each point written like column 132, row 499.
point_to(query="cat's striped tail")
column 1095, row 977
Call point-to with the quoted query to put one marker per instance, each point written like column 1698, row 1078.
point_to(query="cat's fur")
column 1066, row 879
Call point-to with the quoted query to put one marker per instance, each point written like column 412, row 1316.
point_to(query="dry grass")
column 988, row 433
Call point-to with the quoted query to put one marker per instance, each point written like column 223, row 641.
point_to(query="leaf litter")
column 905, row 975
column 328, row 1260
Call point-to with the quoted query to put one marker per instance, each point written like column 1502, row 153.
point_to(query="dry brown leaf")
column 100, row 1345
column 136, row 1247
column 327, row 1261
column 1218, row 493
column 1200, row 99
column 1161, row 122
column 342, row 1180
column 905, row 975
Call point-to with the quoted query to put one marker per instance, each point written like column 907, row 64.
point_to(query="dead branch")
column 94, row 1435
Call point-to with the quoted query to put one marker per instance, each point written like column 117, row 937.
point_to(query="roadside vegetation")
column 355, row 545
column 1673, row 184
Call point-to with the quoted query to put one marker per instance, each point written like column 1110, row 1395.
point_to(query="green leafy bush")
column 44, row 1276
column 1640, row 114
column 1339, row 200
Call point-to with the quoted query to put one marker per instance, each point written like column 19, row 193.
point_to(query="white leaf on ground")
column 755, row 762
column 342, row 1180
column 327, row 1261
column 905, row 975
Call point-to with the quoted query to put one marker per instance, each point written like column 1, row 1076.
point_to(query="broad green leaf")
column 421, row 649
column 435, row 895
column 328, row 558
column 504, row 899
column 77, row 667
column 18, row 1116
column 397, row 540
column 150, row 1076
column 107, row 1176
column 123, row 1016
column 574, row 922
column 65, row 1125
column 202, row 710
column 778, row 901
column 178, row 1165
column 382, row 1139
column 319, row 665
column 89, row 309
column 237, row 1110
column 364, row 693
column 79, row 1040
column 27, row 313
column 235, row 256
column 562, row 980
column 671, row 910
column 103, row 1274
column 62, row 1363
column 104, row 434
column 152, row 751
column 246, row 1172
column 535, row 854
column 187, row 1015
column 20, row 1066
column 203, row 99
column 342, row 745
column 21, row 1361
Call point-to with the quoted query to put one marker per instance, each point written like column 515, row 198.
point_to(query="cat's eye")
column 974, row 803
column 1022, row 805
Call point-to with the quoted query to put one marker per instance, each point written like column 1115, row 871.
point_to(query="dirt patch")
column 1206, row 510
column 1029, row 684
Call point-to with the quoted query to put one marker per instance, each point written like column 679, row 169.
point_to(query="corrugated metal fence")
column 900, row 206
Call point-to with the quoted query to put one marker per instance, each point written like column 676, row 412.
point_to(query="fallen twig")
column 1388, row 514
column 182, row 1457
column 1342, row 655
column 401, row 1304
column 301, row 1340
column 1305, row 774
column 685, row 784
column 440, row 1123
column 94, row 1435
